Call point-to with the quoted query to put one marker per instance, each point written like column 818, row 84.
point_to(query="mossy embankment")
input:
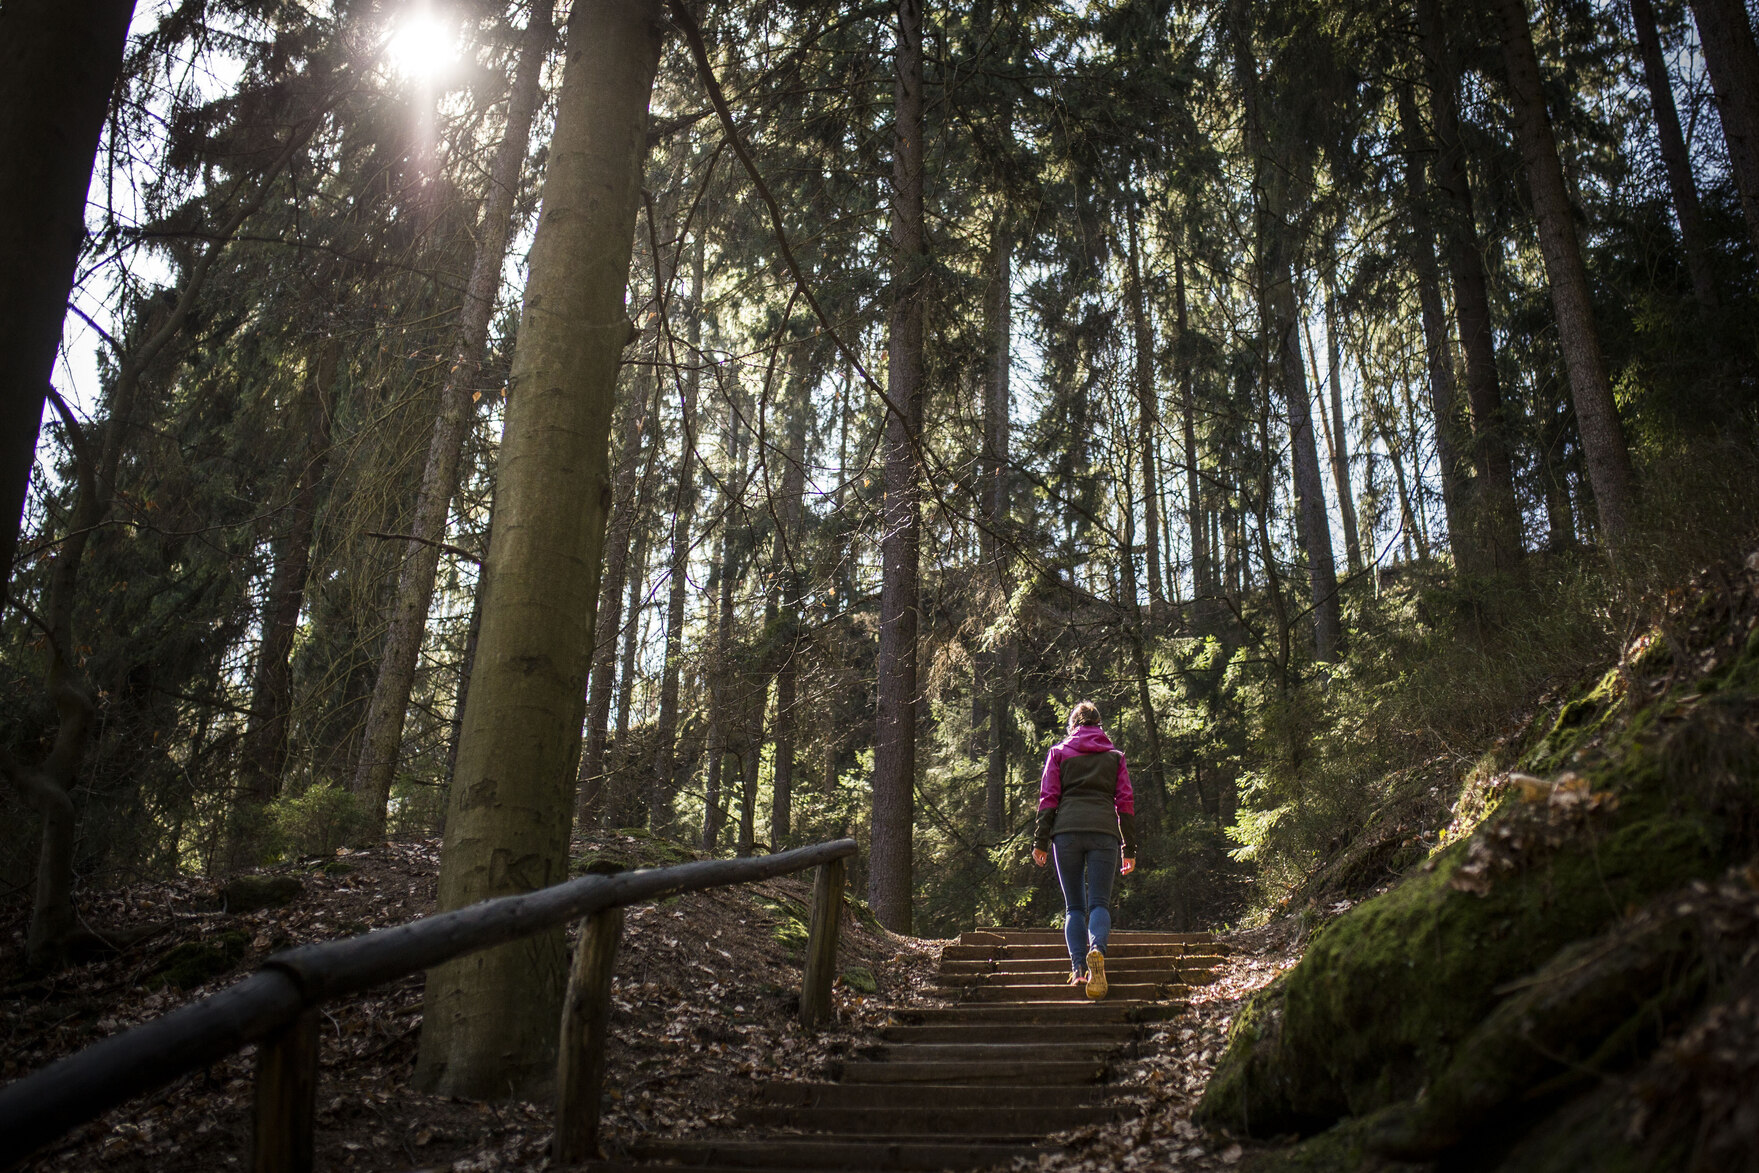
column 1476, row 1005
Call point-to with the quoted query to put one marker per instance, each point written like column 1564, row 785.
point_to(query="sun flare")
column 421, row 44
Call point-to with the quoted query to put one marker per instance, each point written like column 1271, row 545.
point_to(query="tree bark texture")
column 1603, row 440
column 1438, row 347
column 628, row 499
column 663, row 783
column 721, row 662
column 1203, row 583
column 59, row 60
column 999, row 663
column 490, row 1019
column 1492, row 514
column 1340, row 445
column 1146, row 414
column 382, row 736
column 894, row 760
column 789, row 581
column 1725, row 36
column 1272, row 178
column 263, row 753
column 1681, row 185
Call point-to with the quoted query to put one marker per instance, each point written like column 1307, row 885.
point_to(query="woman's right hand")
column 1040, row 856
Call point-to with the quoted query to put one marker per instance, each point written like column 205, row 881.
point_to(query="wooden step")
column 1061, row 992
column 1048, row 1032
column 1059, row 962
column 932, row 1095
column 974, row 1071
column 1124, row 972
column 990, row 1122
column 1055, row 937
column 1059, row 951
column 927, row 1152
column 1024, row 1049
column 1114, row 1009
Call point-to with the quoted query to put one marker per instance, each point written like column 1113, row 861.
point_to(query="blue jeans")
column 1086, row 863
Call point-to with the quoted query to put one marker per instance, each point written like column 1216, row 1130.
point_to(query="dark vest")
column 1090, row 790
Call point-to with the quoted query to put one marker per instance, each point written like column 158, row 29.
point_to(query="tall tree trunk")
column 999, row 662
column 1145, row 414
column 1554, row 476
column 631, row 645
column 489, row 1025
column 382, row 735
column 664, row 783
column 1725, row 37
column 1272, row 178
column 1131, row 614
column 735, row 437
column 890, row 867
column 789, row 583
column 628, row 499
column 1493, row 516
column 1603, row 440
column 1203, row 580
column 263, row 753
column 1340, row 439
column 1438, row 348
column 59, row 60
column 1674, row 158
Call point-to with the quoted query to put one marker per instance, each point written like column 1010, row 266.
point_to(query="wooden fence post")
column 821, row 945
column 286, row 1097
column 580, row 1059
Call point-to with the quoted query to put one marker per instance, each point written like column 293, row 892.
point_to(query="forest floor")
column 707, row 993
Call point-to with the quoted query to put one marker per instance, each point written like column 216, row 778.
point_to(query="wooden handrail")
column 47, row 1104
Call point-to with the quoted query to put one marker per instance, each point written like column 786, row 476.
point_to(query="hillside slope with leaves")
column 1551, row 981
column 707, row 992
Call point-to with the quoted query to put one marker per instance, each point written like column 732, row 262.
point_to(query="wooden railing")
column 276, row 1007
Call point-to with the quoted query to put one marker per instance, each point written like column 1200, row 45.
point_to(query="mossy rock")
column 243, row 894
column 192, row 963
column 793, row 922
column 860, row 979
column 1385, row 993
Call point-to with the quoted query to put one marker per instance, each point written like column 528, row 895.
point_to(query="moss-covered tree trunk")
column 1597, row 419
column 382, row 736
column 894, row 758
column 490, row 1019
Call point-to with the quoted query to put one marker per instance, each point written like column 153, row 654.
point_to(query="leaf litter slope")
column 705, row 1002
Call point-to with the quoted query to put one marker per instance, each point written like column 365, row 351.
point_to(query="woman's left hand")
column 1040, row 857
column 1128, row 866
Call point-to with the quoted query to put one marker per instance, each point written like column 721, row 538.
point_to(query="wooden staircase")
column 1012, row 1055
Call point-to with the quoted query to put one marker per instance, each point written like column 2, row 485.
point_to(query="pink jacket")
column 1085, row 739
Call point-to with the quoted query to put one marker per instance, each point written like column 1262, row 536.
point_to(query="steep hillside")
column 708, row 988
column 1569, row 980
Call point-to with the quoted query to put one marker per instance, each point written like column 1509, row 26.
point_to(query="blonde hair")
column 1085, row 713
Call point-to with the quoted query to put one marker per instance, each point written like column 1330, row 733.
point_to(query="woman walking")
column 1085, row 808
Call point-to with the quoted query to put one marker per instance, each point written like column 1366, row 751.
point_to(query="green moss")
column 792, row 925
column 249, row 893
column 1386, row 992
column 860, row 979
column 194, row 962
